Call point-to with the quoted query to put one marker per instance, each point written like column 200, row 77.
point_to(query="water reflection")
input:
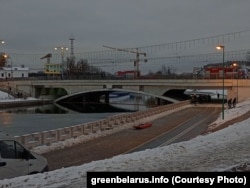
column 44, row 109
column 51, row 109
column 117, row 103
column 27, row 120
column 5, row 119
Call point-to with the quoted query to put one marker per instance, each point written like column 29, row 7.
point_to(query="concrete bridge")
column 162, row 88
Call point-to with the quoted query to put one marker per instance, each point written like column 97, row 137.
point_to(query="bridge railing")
column 113, row 123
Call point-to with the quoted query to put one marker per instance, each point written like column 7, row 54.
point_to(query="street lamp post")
column 237, row 93
column 63, row 49
column 220, row 47
column 2, row 42
column 6, row 56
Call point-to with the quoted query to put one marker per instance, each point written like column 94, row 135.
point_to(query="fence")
column 116, row 122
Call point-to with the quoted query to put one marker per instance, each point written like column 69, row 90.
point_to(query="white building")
column 14, row 72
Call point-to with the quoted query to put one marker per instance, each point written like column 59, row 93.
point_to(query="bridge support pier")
column 107, row 98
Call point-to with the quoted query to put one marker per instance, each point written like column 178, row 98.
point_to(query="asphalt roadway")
column 176, row 127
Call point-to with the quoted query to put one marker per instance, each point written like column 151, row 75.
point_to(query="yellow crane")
column 136, row 61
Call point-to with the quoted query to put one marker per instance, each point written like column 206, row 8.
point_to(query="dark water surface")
column 22, row 121
column 27, row 120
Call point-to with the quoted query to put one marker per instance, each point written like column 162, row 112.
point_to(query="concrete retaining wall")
column 114, row 122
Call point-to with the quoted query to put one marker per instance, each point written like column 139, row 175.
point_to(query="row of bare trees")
column 80, row 67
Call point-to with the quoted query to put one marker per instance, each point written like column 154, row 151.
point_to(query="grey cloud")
column 33, row 26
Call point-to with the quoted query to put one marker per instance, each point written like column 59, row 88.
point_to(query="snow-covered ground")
column 5, row 97
column 214, row 152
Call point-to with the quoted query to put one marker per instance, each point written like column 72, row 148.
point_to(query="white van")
column 16, row 160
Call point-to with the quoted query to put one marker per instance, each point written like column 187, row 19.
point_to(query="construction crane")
column 136, row 61
column 47, row 56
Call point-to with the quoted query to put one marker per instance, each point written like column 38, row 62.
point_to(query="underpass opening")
column 177, row 94
column 110, row 101
column 49, row 93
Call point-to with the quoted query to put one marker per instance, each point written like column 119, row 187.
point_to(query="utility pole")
column 72, row 47
column 137, row 59
column 71, row 64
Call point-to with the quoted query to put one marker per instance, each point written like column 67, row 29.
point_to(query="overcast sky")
column 33, row 26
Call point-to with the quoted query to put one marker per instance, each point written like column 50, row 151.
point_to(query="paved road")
column 187, row 129
column 178, row 126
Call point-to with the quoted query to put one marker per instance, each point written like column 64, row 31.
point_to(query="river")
column 27, row 120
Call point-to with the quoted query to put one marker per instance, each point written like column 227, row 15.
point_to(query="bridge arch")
column 102, row 96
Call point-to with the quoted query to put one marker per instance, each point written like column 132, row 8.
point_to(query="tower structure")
column 72, row 38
